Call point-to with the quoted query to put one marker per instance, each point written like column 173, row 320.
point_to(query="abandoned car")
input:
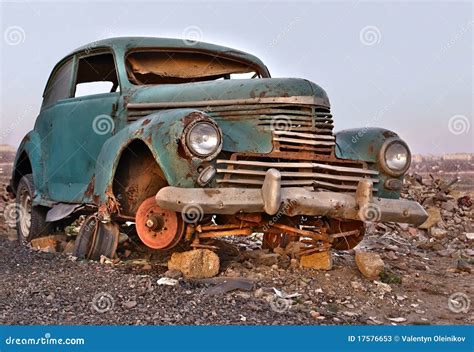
column 188, row 141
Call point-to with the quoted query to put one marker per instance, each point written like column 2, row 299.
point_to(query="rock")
column 173, row 274
column 129, row 304
column 294, row 263
column 314, row 314
column 469, row 236
column 369, row 264
column 434, row 216
column 195, row 264
column 47, row 244
column 319, row 260
column 437, row 232
column 258, row 293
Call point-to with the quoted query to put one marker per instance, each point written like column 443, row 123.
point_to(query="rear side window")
column 60, row 85
column 96, row 74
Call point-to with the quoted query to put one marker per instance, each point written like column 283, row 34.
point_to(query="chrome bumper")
column 291, row 201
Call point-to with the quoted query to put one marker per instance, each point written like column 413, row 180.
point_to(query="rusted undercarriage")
column 162, row 229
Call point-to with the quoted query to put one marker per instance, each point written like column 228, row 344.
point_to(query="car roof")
column 129, row 43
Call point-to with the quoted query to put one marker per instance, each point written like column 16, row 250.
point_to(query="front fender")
column 160, row 132
column 31, row 146
column 361, row 143
column 364, row 144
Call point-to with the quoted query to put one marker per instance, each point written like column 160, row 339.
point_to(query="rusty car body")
column 186, row 149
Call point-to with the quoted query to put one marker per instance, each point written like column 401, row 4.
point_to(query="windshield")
column 164, row 67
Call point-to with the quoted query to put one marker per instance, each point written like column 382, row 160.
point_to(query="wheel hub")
column 158, row 228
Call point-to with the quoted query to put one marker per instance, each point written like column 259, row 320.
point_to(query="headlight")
column 203, row 138
column 395, row 157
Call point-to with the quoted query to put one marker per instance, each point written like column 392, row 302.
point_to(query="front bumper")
column 291, row 201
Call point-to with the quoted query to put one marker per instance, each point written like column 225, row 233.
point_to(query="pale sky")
column 403, row 66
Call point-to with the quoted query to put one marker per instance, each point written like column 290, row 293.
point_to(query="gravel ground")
column 53, row 288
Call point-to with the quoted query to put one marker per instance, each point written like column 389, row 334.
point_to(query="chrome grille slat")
column 302, row 141
column 296, row 174
column 304, row 135
column 301, row 165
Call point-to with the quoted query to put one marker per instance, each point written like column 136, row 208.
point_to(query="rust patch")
column 146, row 122
column 90, row 188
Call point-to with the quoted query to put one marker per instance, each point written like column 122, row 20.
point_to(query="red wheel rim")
column 158, row 228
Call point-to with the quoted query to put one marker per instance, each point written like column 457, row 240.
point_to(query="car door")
column 80, row 124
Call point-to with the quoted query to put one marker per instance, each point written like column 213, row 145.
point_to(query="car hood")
column 231, row 89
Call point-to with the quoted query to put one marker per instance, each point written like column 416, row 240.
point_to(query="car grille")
column 303, row 149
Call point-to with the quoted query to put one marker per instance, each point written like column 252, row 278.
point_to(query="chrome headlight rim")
column 185, row 139
column 383, row 161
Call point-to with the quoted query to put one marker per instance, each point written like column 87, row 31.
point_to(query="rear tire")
column 30, row 220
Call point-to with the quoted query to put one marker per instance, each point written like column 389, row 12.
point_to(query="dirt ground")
column 427, row 275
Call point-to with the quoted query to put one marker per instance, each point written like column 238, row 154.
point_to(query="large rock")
column 318, row 260
column 434, row 216
column 369, row 264
column 195, row 264
column 49, row 243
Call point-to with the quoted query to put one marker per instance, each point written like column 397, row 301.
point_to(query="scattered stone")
column 318, row 260
column 434, row 217
column 369, row 264
column 314, row 314
column 258, row 293
column 195, row 264
column 437, row 232
column 129, row 304
column 48, row 244
column 167, row 281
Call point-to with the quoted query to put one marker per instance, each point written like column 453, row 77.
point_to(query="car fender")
column 161, row 132
column 31, row 146
column 362, row 143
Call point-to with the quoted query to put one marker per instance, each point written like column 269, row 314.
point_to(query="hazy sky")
column 404, row 66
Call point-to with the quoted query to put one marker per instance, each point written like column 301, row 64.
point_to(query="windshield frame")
column 261, row 70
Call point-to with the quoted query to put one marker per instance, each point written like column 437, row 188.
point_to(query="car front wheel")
column 30, row 220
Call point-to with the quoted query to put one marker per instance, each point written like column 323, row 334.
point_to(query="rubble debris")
column 318, row 260
column 224, row 284
column 434, row 216
column 167, row 281
column 370, row 264
column 195, row 264
column 50, row 244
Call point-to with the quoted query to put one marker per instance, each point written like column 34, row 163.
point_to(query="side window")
column 96, row 74
column 60, row 85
